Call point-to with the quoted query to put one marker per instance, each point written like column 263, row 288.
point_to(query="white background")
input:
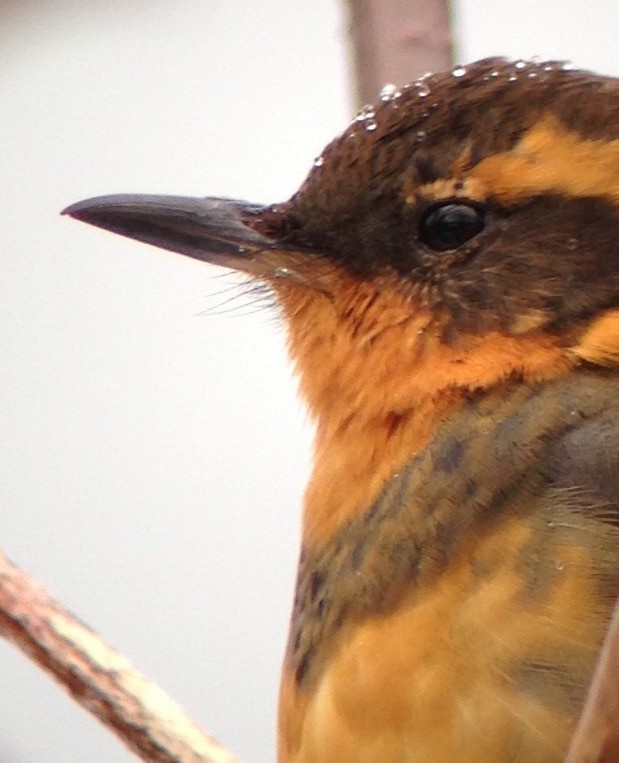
column 152, row 458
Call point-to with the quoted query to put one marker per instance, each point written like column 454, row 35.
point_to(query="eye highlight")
column 449, row 225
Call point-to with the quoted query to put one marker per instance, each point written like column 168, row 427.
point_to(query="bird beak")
column 218, row 231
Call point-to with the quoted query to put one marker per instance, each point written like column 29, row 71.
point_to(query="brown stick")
column 101, row 680
column 395, row 41
column 596, row 739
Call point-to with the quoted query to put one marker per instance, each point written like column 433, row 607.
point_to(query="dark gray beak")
column 213, row 230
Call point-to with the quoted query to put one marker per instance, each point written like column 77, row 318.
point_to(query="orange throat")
column 378, row 378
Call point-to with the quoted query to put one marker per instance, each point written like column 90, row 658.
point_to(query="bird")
column 448, row 276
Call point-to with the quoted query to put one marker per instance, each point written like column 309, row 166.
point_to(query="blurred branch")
column 101, row 680
column 395, row 41
column 596, row 739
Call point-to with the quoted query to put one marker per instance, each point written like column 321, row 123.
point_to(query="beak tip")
column 82, row 210
column 72, row 210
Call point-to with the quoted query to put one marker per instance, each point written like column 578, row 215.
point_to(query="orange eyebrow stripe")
column 549, row 158
column 599, row 343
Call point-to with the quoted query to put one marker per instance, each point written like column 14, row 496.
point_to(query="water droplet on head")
column 370, row 124
column 420, row 136
column 512, row 78
column 318, row 161
column 459, row 71
column 520, row 64
column 365, row 112
column 532, row 75
column 559, row 566
column 494, row 73
column 567, row 66
column 572, row 244
column 389, row 91
column 422, row 89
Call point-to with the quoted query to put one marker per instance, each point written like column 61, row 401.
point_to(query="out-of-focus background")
column 153, row 457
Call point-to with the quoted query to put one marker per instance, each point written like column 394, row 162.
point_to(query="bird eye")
column 448, row 226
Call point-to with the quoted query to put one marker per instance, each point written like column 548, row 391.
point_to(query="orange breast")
column 454, row 626
column 490, row 663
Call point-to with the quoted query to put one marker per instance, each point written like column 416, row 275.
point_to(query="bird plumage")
column 449, row 278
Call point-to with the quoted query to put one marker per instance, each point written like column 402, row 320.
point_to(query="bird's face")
column 489, row 193
column 481, row 201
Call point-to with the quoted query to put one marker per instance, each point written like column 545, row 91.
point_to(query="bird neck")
column 379, row 377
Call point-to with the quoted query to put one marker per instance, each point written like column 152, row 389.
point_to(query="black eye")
column 450, row 225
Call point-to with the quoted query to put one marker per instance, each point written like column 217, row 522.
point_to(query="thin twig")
column 596, row 739
column 101, row 680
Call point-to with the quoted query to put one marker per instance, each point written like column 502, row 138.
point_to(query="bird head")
column 461, row 231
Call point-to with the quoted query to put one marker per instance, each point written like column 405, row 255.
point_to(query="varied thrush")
column 449, row 277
